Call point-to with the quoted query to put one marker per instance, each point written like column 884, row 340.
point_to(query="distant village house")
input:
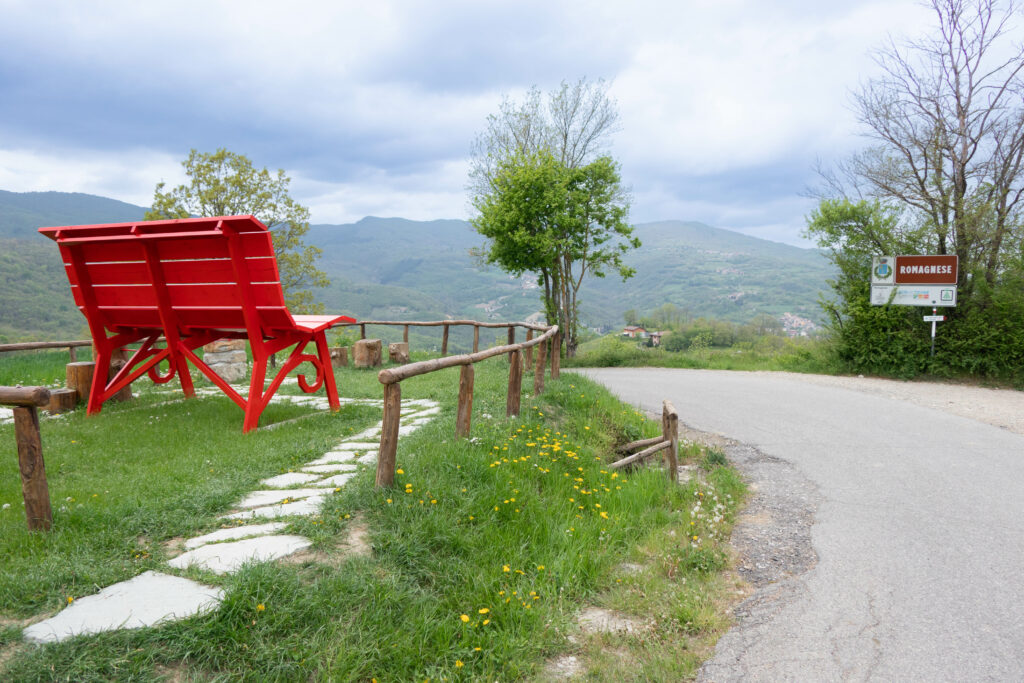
column 634, row 332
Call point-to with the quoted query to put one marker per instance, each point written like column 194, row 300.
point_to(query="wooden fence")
column 391, row 378
column 668, row 442
column 37, row 346
column 34, row 488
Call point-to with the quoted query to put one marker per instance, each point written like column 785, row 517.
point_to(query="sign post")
column 915, row 281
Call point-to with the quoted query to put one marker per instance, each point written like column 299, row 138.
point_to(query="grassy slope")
column 528, row 524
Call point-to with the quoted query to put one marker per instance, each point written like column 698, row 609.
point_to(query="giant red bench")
column 192, row 281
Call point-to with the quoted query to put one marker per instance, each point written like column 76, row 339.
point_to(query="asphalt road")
column 916, row 528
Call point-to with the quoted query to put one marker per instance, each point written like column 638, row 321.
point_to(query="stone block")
column 399, row 352
column 231, row 372
column 339, row 356
column 366, row 353
column 215, row 357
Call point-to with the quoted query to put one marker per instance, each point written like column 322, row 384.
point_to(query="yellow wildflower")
column 465, row 618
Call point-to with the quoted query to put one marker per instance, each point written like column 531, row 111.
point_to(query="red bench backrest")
column 209, row 269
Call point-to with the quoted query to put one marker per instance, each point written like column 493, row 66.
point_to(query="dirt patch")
column 597, row 620
column 174, row 547
column 355, row 544
column 171, row 673
column 563, row 668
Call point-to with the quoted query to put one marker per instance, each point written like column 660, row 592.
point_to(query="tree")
column 947, row 121
column 227, row 184
column 548, row 153
column 560, row 223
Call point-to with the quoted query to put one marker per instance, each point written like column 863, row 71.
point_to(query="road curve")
column 917, row 522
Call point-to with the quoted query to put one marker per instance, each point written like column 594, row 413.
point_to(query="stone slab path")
column 154, row 597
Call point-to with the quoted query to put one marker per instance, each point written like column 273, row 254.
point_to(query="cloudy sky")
column 371, row 106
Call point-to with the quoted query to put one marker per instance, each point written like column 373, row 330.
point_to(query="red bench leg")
column 254, row 402
column 325, row 359
column 99, row 379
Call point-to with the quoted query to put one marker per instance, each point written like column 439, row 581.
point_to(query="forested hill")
column 402, row 269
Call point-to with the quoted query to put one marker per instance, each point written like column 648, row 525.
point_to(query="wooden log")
column 62, row 401
column 444, row 342
column 339, row 357
column 438, row 323
column 388, row 453
column 642, row 443
column 464, row 414
column 366, row 353
column 36, row 346
column 515, row 384
column 538, row 373
column 556, row 354
column 118, row 359
column 34, row 489
column 398, row 352
column 529, row 350
column 670, row 429
column 476, row 338
column 637, row 457
column 79, row 377
column 511, row 340
column 405, row 334
column 24, row 396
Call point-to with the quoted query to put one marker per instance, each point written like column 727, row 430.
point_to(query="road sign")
column 925, row 270
column 934, row 318
column 913, row 295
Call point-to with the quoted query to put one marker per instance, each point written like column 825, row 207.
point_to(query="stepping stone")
column 335, row 457
column 146, row 600
column 302, row 508
column 331, row 468
column 359, row 445
column 371, row 433
column 234, row 534
column 369, row 458
column 261, row 498
column 338, row 479
column 222, row 558
column 408, row 429
column 288, row 479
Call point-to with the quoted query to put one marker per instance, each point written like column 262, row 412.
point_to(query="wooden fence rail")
column 36, row 346
column 668, row 442
column 34, row 489
column 391, row 378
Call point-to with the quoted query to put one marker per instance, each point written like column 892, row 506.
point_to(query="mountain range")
column 398, row 269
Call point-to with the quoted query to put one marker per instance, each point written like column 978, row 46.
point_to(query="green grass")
column 524, row 521
column 785, row 355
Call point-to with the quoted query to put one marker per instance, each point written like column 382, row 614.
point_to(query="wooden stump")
column 399, row 352
column 515, row 384
column 366, row 353
column 339, row 357
column 118, row 360
column 62, row 401
column 464, row 414
column 79, row 377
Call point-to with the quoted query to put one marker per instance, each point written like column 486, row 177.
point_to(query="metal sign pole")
column 935, row 312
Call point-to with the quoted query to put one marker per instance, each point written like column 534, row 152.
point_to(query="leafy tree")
column 548, row 152
column 227, row 184
column 558, row 222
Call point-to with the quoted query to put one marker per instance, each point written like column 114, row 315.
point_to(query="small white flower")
column 6, row 505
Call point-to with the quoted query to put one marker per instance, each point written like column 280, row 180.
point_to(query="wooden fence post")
column 529, row 350
column 73, row 353
column 670, row 432
column 538, row 375
column 476, row 338
column 444, row 342
column 515, row 384
column 511, row 340
column 388, row 452
column 556, row 354
column 464, row 414
column 405, row 335
column 362, row 331
column 34, row 488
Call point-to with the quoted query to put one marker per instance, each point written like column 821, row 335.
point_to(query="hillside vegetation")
column 392, row 268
